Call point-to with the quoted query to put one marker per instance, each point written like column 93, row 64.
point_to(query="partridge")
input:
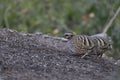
column 81, row 44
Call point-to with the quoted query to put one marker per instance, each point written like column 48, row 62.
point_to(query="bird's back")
column 81, row 44
column 103, row 42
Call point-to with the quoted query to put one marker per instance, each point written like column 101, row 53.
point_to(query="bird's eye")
column 66, row 35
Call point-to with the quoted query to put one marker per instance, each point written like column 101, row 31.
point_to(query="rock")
column 26, row 56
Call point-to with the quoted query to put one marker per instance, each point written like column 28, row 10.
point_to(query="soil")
column 37, row 56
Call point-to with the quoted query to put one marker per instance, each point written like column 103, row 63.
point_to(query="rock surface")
column 26, row 56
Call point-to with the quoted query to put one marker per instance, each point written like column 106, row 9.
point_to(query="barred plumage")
column 83, row 44
column 104, row 43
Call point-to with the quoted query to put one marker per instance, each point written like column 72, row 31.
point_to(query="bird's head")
column 69, row 35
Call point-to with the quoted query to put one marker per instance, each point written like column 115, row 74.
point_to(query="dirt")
column 25, row 56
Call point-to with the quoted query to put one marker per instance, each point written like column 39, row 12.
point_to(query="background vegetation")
column 55, row 17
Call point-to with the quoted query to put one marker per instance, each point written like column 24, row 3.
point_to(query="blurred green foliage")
column 56, row 17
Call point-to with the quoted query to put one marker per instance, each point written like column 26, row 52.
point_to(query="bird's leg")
column 100, row 55
column 84, row 55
